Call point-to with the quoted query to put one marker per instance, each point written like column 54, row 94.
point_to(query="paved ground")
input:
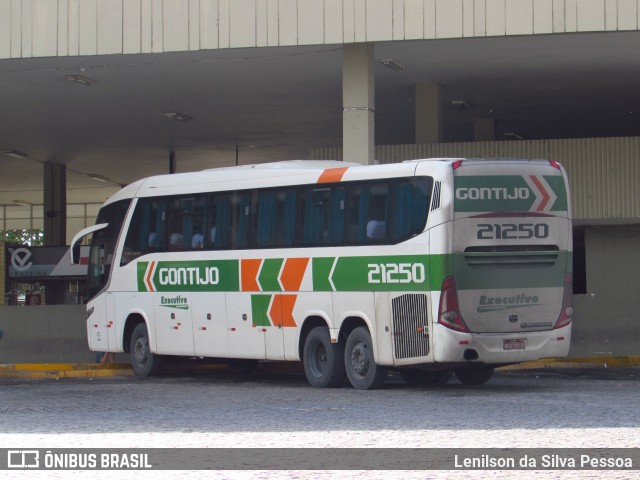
column 590, row 408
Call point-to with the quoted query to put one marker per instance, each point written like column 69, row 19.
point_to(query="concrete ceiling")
column 277, row 103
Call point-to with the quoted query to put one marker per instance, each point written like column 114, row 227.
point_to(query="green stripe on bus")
column 142, row 268
column 191, row 276
column 389, row 273
column 259, row 310
column 495, row 272
column 321, row 271
column 505, row 193
column 268, row 277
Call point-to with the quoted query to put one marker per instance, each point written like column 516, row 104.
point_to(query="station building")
column 96, row 94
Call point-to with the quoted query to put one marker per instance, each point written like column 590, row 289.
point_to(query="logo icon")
column 20, row 259
column 23, row 459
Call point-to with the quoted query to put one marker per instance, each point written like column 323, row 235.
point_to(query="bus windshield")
column 103, row 245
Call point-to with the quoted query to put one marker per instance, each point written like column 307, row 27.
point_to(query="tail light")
column 554, row 164
column 449, row 311
column 566, row 314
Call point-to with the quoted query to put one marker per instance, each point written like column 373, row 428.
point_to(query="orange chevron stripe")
column 281, row 312
column 149, row 277
column 249, row 274
column 545, row 195
column 332, row 175
column 292, row 273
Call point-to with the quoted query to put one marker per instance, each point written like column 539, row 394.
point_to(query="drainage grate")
column 410, row 335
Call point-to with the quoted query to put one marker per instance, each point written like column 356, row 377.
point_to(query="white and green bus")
column 428, row 267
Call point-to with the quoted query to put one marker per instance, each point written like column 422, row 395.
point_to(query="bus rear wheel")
column 360, row 365
column 323, row 361
column 474, row 376
column 143, row 361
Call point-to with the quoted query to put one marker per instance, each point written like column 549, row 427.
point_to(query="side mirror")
column 75, row 254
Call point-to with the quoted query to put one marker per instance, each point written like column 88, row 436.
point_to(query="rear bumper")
column 452, row 346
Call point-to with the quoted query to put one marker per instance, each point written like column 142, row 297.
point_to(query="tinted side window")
column 323, row 216
column 275, row 218
column 367, row 219
column 409, row 207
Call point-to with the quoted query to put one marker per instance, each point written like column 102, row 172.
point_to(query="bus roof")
column 297, row 172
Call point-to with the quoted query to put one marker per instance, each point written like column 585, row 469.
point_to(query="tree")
column 29, row 237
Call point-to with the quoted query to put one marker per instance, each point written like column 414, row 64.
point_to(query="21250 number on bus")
column 396, row 273
column 512, row 231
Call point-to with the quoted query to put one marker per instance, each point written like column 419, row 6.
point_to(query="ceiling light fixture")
column 97, row 176
column 513, row 136
column 23, row 203
column 87, row 82
column 181, row 117
column 393, row 64
column 16, row 154
column 460, row 105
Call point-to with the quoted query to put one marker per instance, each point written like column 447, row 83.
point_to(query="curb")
column 63, row 370
column 581, row 362
column 93, row 370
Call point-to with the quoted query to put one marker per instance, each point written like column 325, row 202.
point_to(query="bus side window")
column 157, row 239
column 221, row 231
column 276, row 218
column 323, row 213
column 289, row 210
column 368, row 213
column 409, row 207
column 175, row 225
column 314, row 202
column 140, row 238
column 336, row 216
column 242, row 219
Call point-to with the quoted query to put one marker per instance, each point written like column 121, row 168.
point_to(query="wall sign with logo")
column 30, row 263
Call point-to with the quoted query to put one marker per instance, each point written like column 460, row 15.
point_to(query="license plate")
column 514, row 344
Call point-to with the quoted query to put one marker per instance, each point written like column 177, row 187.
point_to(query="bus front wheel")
column 361, row 368
column 323, row 361
column 143, row 361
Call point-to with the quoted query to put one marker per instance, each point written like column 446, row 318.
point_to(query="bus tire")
column 143, row 361
column 360, row 366
column 443, row 377
column 474, row 376
column 323, row 361
column 417, row 376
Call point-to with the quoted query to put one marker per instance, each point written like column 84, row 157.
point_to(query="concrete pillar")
column 55, row 205
column 484, row 129
column 55, row 220
column 358, row 103
column 428, row 113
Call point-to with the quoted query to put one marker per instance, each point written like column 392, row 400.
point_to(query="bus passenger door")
column 174, row 331
column 246, row 337
column 111, row 320
column 209, row 325
column 97, row 324
column 272, row 324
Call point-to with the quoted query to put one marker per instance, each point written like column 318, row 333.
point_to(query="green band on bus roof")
column 510, row 193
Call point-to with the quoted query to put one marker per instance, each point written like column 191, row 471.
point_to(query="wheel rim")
column 140, row 351
column 319, row 360
column 360, row 360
